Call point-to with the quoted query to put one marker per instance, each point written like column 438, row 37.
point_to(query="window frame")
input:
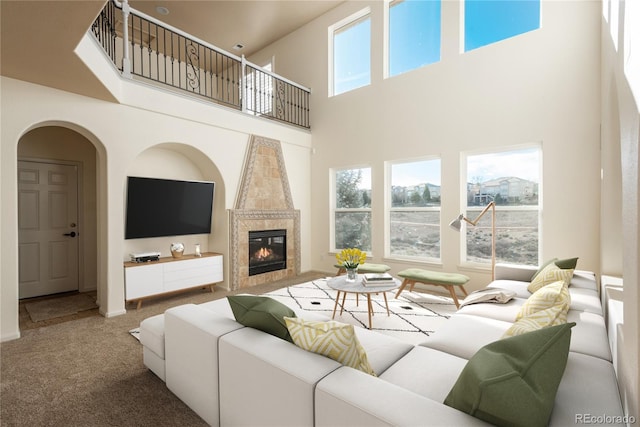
column 333, row 209
column 388, row 209
column 464, row 208
column 331, row 30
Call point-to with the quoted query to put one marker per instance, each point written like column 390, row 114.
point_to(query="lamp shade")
column 456, row 224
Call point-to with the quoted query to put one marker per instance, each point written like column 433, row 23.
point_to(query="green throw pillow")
column 565, row 264
column 263, row 313
column 514, row 381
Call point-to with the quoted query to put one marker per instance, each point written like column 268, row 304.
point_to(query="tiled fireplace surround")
column 264, row 203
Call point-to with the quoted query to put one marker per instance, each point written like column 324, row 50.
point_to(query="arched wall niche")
column 175, row 160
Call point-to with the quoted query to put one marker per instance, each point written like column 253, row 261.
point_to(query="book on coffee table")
column 379, row 279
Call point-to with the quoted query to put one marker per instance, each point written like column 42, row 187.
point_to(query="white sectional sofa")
column 234, row 375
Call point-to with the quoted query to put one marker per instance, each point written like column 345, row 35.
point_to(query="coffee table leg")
column 369, row 308
column 335, row 305
column 384, row 294
column 344, row 295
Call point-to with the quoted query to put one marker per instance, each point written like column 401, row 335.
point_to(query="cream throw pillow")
column 546, row 307
column 551, row 273
column 335, row 340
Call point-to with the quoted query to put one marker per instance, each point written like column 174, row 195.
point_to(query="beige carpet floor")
column 89, row 372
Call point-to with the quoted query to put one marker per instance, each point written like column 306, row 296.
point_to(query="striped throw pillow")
column 332, row 339
column 551, row 273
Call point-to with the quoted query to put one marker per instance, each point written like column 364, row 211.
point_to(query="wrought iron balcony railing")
column 139, row 45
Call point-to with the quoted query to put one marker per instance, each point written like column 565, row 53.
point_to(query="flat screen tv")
column 167, row 207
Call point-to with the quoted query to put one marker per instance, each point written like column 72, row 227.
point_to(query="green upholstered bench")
column 449, row 281
column 365, row 268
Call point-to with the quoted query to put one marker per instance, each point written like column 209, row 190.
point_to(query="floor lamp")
column 456, row 224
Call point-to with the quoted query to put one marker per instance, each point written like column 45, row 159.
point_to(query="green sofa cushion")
column 263, row 313
column 514, row 381
column 434, row 277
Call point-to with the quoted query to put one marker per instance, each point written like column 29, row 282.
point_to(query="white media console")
column 169, row 275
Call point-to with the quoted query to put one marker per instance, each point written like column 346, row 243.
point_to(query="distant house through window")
column 414, row 210
column 511, row 179
column 350, row 53
column 414, row 34
column 489, row 21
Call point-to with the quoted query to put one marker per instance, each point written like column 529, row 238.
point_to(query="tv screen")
column 166, row 207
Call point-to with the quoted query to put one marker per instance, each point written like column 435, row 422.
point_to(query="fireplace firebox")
column 267, row 251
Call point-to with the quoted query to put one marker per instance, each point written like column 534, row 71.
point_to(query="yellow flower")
column 351, row 257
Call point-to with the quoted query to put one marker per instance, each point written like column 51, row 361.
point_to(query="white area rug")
column 414, row 316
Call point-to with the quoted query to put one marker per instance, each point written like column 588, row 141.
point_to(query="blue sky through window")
column 414, row 34
column 352, row 56
column 489, row 21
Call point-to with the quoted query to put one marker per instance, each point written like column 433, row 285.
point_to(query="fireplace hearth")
column 267, row 251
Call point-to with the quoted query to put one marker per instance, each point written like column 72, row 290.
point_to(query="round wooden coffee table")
column 340, row 284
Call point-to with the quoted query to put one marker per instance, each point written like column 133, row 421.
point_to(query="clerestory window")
column 350, row 53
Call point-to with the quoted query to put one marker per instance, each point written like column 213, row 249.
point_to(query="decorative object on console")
column 197, row 251
column 350, row 259
column 177, row 249
column 514, row 381
column 456, row 224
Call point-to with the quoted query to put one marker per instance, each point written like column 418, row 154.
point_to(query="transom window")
column 351, row 219
column 511, row 179
column 414, row 34
column 350, row 53
column 487, row 22
column 414, row 209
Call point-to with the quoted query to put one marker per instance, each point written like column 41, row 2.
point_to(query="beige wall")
column 539, row 87
column 189, row 136
column 621, row 178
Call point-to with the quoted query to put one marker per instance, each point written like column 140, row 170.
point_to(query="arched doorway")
column 57, row 226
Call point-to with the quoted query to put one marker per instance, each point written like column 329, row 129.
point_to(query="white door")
column 47, row 228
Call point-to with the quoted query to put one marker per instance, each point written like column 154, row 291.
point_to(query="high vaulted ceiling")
column 38, row 37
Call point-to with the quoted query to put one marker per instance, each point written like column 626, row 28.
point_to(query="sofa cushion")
column 335, row 340
column 565, row 264
column 427, row 372
column 551, row 273
column 514, row 381
column 263, row 313
column 555, row 294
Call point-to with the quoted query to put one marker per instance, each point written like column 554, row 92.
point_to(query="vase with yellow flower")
column 350, row 259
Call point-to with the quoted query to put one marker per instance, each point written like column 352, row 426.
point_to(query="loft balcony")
column 142, row 47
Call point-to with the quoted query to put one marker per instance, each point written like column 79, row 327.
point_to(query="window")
column 489, row 21
column 511, row 179
column 352, row 209
column 350, row 53
column 414, row 210
column 414, row 34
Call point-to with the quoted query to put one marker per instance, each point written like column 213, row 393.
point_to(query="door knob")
column 72, row 234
